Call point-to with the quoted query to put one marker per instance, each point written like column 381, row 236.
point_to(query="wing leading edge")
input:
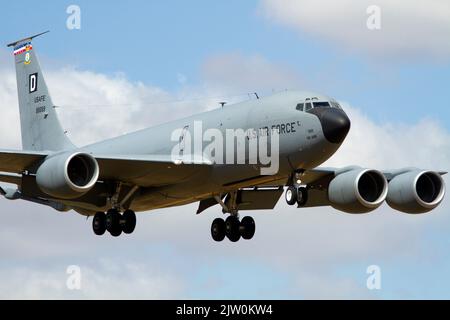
column 143, row 170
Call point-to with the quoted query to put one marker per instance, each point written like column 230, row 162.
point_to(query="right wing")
column 142, row 170
column 15, row 161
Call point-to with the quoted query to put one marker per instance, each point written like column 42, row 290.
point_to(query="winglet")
column 12, row 44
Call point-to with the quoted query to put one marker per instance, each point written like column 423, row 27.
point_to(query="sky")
column 138, row 63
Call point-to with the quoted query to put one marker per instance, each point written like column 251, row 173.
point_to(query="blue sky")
column 153, row 42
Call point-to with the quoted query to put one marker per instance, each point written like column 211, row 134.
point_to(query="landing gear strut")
column 114, row 222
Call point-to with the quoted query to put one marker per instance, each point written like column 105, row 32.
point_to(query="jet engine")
column 416, row 191
column 67, row 176
column 357, row 190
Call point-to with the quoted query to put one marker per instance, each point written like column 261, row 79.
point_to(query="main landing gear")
column 233, row 229
column 114, row 222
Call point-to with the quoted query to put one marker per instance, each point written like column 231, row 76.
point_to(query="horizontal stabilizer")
column 12, row 44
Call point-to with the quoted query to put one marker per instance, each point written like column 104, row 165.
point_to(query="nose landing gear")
column 296, row 195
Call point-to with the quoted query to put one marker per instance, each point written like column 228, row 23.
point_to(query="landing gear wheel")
column 113, row 222
column 291, row 195
column 302, row 196
column 232, row 225
column 218, row 229
column 129, row 221
column 247, row 228
column 99, row 223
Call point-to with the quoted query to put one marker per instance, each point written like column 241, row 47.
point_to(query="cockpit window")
column 335, row 104
column 313, row 102
column 300, row 107
column 321, row 104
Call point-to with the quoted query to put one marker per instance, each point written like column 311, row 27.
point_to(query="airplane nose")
column 335, row 125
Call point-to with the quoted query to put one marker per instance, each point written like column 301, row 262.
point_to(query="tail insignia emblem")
column 27, row 58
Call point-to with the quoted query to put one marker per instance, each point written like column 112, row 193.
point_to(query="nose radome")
column 335, row 125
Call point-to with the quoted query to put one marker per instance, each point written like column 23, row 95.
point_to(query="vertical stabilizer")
column 40, row 127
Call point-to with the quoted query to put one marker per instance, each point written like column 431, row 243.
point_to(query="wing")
column 142, row 170
column 267, row 190
column 14, row 161
column 319, row 179
column 149, row 170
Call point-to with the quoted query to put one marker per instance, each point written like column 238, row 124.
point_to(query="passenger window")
column 299, row 107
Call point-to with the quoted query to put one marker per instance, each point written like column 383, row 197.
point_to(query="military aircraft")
column 112, row 179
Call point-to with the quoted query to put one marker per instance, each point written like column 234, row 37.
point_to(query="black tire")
column 129, row 224
column 291, row 195
column 218, row 229
column 302, row 196
column 113, row 222
column 232, row 226
column 99, row 223
column 247, row 228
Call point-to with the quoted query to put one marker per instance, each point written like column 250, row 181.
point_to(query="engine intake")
column 416, row 191
column 68, row 176
column 357, row 190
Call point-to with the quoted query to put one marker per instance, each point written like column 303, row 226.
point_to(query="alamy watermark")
column 73, row 21
column 374, row 19
column 260, row 147
column 73, row 281
column 374, row 280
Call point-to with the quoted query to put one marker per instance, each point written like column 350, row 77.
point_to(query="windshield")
column 322, row 104
column 335, row 104
column 311, row 103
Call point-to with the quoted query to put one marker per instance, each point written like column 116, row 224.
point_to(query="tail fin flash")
column 40, row 127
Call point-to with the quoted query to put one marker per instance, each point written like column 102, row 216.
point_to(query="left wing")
column 354, row 186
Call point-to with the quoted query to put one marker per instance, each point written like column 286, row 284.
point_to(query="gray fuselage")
column 302, row 145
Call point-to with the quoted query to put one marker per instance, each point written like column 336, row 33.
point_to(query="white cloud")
column 129, row 105
column 235, row 72
column 104, row 279
column 305, row 245
column 409, row 29
column 390, row 145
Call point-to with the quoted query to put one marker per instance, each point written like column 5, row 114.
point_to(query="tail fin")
column 39, row 123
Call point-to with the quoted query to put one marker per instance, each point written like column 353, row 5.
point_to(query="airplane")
column 113, row 179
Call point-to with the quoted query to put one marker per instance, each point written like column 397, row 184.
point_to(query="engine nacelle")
column 67, row 176
column 416, row 191
column 357, row 190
